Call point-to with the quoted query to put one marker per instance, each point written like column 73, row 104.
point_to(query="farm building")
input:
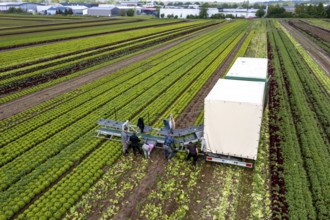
column 239, row 12
column 78, row 9
column 184, row 12
column 99, row 11
column 42, row 9
column 121, row 10
column 112, row 11
column 31, row 7
column 149, row 11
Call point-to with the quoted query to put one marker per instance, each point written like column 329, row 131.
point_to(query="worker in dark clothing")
column 192, row 153
column 140, row 124
column 169, row 140
column 134, row 142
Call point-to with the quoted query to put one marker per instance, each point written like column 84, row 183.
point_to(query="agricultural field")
column 56, row 83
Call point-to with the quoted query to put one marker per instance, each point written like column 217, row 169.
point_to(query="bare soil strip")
column 316, row 52
column 140, row 193
column 318, row 32
column 19, row 105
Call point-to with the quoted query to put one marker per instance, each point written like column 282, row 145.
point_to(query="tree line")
column 301, row 11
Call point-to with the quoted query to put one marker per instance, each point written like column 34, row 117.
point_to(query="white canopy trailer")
column 232, row 120
column 250, row 69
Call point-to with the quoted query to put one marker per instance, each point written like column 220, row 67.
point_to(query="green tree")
column 276, row 12
column 327, row 11
column 130, row 12
column 256, row 6
column 203, row 11
column 299, row 9
column 320, row 11
column 260, row 13
column 158, row 11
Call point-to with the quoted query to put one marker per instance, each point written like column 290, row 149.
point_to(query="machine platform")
column 182, row 137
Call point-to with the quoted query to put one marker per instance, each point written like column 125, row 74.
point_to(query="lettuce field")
column 58, row 76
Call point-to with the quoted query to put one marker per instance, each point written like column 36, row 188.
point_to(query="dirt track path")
column 19, row 105
column 316, row 52
column 139, row 194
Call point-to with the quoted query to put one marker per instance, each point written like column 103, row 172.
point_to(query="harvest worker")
column 169, row 140
column 192, row 152
column 147, row 148
column 134, row 142
column 124, row 141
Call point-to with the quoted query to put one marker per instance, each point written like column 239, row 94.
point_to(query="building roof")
column 17, row 3
column 127, row 7
column 101, row 8
column 77, row 7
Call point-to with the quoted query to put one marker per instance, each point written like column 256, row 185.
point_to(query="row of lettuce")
column 21, row 37
column 65, row 140
column 299, row 127
column 32, row 73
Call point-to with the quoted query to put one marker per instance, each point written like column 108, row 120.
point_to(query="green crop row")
column 30, row 140
column 315, row 68
column 56, row 201
column 60, row 35
column 62, row 25
column 87, row 59
column 209, row 66
column 37, row 111
column 103, row 85
column 242, row 50
column 297, row 193
column 313, row 148
column 44, row 85
column 323, row 23
column 31, row 54
column 44, row 63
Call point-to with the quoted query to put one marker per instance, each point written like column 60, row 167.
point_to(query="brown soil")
column 316, row 52
column 19, row 105
column 317, row 32
column 138, row 195
column 197, row 201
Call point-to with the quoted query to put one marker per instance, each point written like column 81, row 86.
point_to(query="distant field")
column 324, row 23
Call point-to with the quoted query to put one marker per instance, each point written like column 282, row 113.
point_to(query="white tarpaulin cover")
column 247, row 67
column 232, row 118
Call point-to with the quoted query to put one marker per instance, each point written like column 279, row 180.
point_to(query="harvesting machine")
column 232, row 117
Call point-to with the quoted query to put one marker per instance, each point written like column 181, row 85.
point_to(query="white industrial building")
column 239, row 12
column 184, row 12
column 30, row 7
column 99, row 11
column 112, row 10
